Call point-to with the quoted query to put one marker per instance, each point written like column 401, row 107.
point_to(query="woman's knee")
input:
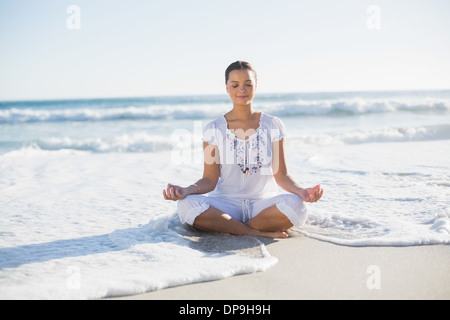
column 191, row 207
column 294, row 208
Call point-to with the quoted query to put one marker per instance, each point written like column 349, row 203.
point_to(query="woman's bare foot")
column 274, row 235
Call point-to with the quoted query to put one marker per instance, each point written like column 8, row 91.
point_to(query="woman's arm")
column 211, row 170
column 285, row 180
column 211, row 173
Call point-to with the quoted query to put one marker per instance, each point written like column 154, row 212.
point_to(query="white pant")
column 290, row 205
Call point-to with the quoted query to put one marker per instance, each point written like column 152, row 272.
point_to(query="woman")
column 243, row 157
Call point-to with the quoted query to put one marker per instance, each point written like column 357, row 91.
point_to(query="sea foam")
column 78, row 226
column 402, row 134
column 190, row 142
column 127, row 261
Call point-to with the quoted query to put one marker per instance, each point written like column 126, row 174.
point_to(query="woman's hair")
column 238, row 65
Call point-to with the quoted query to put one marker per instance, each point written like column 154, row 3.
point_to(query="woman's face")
column 241, row 86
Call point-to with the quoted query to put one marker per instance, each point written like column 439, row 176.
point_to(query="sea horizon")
column 217, row 95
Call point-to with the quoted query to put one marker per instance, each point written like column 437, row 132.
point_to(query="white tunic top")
column 245, row 165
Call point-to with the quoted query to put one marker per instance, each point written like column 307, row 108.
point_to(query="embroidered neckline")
column 250, row 137
column 247, row 153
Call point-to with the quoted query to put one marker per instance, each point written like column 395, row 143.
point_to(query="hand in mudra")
column 175, row 193
column 312, row 194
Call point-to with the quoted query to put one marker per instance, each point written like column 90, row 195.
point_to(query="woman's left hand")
column 311, row 194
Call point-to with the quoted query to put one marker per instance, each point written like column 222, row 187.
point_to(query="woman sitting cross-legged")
column 243, row 158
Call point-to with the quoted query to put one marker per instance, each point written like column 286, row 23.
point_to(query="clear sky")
column 140, row 48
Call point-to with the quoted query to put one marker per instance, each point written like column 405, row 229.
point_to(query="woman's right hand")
column 175, row 193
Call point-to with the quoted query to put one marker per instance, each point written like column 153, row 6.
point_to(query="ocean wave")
column 425, row 133
column 136, row 143
column 181, row 145
column 186, row 144
column 357, row 106
column 294, row 107
column 15, row 115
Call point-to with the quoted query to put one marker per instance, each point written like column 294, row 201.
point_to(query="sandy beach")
column 312, row 269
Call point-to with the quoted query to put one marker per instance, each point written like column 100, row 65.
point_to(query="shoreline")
column 310, row 269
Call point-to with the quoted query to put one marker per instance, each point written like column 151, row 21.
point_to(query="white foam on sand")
column 158, row 255
column 386, row 194
column 84, row 226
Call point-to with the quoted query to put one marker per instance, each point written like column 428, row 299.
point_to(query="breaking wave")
column 22, row 113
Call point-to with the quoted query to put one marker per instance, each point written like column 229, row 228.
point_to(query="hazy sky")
column 173, row 47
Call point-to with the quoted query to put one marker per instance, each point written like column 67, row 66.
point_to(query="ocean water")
column 81, row 209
